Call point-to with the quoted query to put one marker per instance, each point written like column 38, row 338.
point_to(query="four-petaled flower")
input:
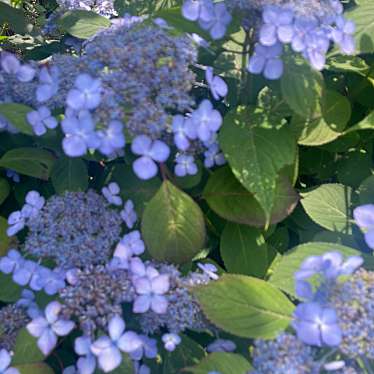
column 217, row 85
column 150, row 151
column 86, row 364
column 218, row 21
column 151, row 287
column 180, row 133
column 41, row 119
column 111, row 193
column 130, row 245
column 48, row 83
column 112, row 138
column 108, row 349
column 185, row 166
column 11, row 65
column 171, row 341
column 317, row 325
column 48, row 327
column 128, row 214
column 86, row 94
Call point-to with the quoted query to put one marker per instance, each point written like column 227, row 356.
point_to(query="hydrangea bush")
column 186, row 186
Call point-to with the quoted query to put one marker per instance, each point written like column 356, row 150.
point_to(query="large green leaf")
column 223, row 363
column 16, row 115
column 301, row 87
column 29, row 161
column 83, row 23
column 26, row 351
column 230, row 200
column 366, row 191
column 329, row 205
column 245, row 306
column 69, row 174
column 284, row 270
column 363, row 17
column 173, row 225
column 243, row 250
column 4, row 189
column 256, row 151
column 366, row 124
column 14, row 17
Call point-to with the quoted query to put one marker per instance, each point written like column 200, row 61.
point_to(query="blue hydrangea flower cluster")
column 307, row 27
column 102, row 7
column 94, row 280
column 100, row 106
column 73, row 229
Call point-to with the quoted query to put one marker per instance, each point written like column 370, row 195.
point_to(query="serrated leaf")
column 245, row 306
column 243, row 250
column 16, row 115
column 329, row 205
column 256, row 151
column 363, row 17
column 33, row 162
column 26, row 350
column 283, row 272
column 230, row 200
column 223, row 363
column 82, row 23
column 69, row 174
column 301, row 87
column 173, row 225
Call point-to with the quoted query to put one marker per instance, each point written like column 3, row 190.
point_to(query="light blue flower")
column 213, row 156
column 40, row 120
column 48, row 327
column 108, row 349
column 150, row 151
column 128, row 214
column 209, row 269
column 218, row 22
column 111, row 193
column 5, row 359
column 217, row 85
column 364, row 218
column 11, row 65
column 221, row 345
column 185, row 166
column 12, row 261
column 194, row 10
column 130, row 245
column 180, row 133
column 48, row 83
column 171, row 341
column 86, row 94
column 86, row 364
column 112, row 138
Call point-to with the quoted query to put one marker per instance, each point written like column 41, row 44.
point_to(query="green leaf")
column 69, row 174
column 14, row 17
column 230, row 200
column 366, row 124
column 243, row 250
column 83, row 23
column 139, row 191
column 283, row 272
column 327, row 122
column 4, row 189
column 188, row 352
column 256, row 152
column 173, row 225
column 16, row 115
column 245, row 306
column 363, row 17
column 26, row 351
column 223, row 363
column 4, row 238
column 366, row 191
column 10, row 292
column 329, row 205
column 344, row 64
column 301, row 87
column 36, row 368
column 29, row 161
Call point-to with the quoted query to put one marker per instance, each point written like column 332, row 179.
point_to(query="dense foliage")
column 186, row 186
